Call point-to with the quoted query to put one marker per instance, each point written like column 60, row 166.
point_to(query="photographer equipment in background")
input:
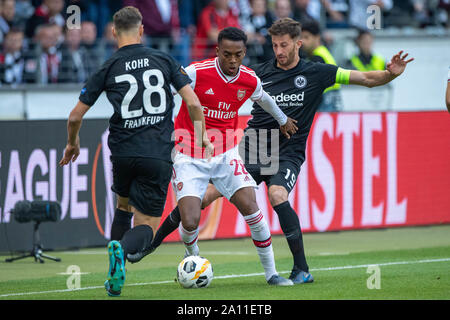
column 37, row 211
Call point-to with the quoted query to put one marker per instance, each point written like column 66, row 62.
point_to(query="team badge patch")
column 300, row 82
column 180, row 186
column 241, row 94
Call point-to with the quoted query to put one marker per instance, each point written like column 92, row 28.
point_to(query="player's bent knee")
column 190, row 211
column 141, row 219
column 245, row 200
column 250, row 208
column 190, row 222
column 277, row 195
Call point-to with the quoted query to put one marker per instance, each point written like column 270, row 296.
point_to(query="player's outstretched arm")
column 72, row 149
column 287, row 125
column 376, row 78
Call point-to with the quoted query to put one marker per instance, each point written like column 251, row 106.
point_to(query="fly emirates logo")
column 222, row 111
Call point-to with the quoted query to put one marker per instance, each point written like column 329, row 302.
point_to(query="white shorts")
column 226, row 171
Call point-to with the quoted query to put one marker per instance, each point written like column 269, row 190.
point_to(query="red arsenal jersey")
column 221, row 96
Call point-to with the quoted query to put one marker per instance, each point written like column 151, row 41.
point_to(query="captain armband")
column 343, row 76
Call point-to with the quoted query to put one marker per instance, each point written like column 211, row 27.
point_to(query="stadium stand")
column 37, row 49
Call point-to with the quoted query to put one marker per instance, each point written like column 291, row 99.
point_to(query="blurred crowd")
column 38, row 47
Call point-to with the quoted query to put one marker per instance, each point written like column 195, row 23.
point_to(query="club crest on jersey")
column 300, row 82
column 241, row 94
column 180, row 186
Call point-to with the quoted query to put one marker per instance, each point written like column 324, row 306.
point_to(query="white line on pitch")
column 333, row 253
column 235, row 276
column 104, row 252
column 72, row 273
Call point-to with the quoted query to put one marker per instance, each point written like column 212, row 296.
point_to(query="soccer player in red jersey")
column 222, row 85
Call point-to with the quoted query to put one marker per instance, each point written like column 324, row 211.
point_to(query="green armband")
column 343, row 76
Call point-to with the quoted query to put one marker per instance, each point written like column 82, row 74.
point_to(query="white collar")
column 226, row 78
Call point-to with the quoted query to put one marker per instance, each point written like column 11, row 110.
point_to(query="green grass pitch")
column 411, row 263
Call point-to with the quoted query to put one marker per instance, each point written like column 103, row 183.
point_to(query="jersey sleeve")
column 317, row 59
column 94, row 86
column 179, row 76
column 191, row 73
column 257, row 94
column 327, row 74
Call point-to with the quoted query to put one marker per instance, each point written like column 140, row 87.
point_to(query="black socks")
column 121, row 224
column 169, row 225
column 290, row 225
column 137, row 239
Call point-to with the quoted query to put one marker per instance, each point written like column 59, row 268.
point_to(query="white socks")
column 190, row 239
column 262, row 239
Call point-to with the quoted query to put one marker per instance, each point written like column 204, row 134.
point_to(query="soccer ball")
column 195, row 272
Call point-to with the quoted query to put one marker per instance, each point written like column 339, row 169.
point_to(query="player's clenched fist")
column 289, row 128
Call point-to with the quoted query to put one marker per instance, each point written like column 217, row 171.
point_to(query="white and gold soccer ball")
column 195, row 272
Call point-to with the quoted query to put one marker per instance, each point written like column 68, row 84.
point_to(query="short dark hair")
column 233, row 34
column 285, row 26
column 127, row 19
column 361, row 33
column 312, row 27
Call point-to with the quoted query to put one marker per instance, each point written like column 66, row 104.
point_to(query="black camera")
column 38, row 210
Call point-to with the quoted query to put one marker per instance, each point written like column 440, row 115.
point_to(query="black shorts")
column 278, row 165
column 286, row 176
column 144, row 181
